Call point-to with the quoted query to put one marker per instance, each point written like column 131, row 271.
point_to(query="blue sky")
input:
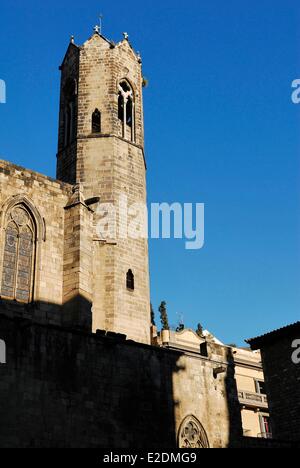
column 220, row 129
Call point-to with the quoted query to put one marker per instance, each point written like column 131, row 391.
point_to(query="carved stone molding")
column 192, row 434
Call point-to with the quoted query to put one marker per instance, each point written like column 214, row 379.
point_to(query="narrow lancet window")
column 96, row 121
column 126, row 111
column 129, row 111
column 130, row 280
column 70, row 96
column 121, row 108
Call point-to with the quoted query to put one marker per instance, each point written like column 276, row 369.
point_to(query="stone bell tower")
column 101, row 152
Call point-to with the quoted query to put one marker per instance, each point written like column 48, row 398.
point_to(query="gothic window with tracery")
column 192, row 434
column 126, row 110
column 18, row 255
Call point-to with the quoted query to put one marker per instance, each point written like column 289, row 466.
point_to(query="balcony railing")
column 255, row 400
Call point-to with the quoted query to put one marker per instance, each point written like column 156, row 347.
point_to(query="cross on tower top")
column 98, row 27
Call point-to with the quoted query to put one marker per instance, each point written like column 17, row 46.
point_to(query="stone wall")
column 46, row 199
column 62, row 388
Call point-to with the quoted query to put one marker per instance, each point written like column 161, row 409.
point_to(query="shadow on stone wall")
column 63, row 387
column 66, row 387
column 75, row 314
column 234, row 410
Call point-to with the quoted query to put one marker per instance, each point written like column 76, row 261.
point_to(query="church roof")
column 71, row 46
column 270, row 338
column 111, row 43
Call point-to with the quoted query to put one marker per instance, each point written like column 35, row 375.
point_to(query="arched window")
column 18, row 255
column 126, row 110
column 96, row 121
column 130, row 280
column 70, row 93
column 2, row 352
column 192, row 434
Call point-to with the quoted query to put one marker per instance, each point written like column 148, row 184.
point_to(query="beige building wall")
column 251, row 423
column 254, row 407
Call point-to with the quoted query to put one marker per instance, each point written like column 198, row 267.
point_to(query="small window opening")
column 130, row 280
column 261, row 387
column 203, row 349
column 96, row 121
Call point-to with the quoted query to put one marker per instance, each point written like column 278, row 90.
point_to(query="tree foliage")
column 164, row 316
column 152, row 314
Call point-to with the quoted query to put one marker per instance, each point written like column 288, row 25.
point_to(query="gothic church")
column 81, row 369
